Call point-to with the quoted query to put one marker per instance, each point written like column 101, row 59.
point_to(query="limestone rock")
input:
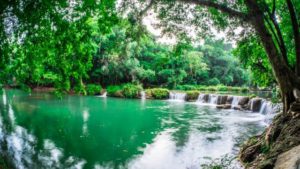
column 221, row 106
column 289, row 159
column 221, row 99
column 229, row 99
column 243, row 101
column 237, row 108
column 227, row 106
column 255, row 104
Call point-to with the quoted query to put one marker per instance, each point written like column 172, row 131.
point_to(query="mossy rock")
column 192, row 95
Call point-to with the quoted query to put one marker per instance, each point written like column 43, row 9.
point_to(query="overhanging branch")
column 220, row 7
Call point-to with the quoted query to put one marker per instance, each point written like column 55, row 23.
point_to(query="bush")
column 244, row 89
column 211, row 88
column 222, row 88
column 235, row 89
column 214, row 81
column 192, row 95
column 127, row 90
column 93, row 89
column 186, row 87
column 157, row 93
column 131, row 90
column 114, row 90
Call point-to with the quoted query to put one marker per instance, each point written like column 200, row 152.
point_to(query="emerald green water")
column 41, row 131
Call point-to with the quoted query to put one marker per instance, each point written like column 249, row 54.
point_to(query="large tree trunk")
column 285, row 77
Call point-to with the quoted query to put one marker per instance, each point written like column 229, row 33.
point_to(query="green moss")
column 192, row 95
column 157, row 93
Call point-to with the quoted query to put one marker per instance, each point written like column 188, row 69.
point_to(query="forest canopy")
column 70, row 44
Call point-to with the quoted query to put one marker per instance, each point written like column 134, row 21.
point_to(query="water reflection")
column 40, row 131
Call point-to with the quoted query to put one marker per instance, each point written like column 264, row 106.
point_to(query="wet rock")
column 220, row 106
column 255, row 104
column 229, row 99
column 221, row 99
column 205, row 97
column 237, row 107
column 227, row 106
column 250, row 153
column 243, row 101
column 289, row 159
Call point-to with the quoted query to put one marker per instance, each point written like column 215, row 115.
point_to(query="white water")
column 143, row 95
column 213, row 99
column 201, row 98
column 103, row 95
column 235, row 101
column 177, row 96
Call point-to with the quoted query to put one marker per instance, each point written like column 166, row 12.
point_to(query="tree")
column 258, row 15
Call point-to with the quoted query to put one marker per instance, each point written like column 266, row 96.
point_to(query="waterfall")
column 201, row 98
column 213, row 99
column 143, row 95
column 177, row 96
column 266, row 107
column 235, row 101
column 103, row 95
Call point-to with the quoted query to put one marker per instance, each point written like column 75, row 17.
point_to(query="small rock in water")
column 227, row 106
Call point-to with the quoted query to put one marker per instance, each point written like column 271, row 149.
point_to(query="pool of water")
column 39, row 130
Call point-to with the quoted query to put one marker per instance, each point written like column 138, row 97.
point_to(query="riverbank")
column 276, row 147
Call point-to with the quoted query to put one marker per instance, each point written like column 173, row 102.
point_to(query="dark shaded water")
column 41, row 131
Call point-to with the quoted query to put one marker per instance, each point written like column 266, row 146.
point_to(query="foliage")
column 127, row 90
column 93, row 89
column 158, row 93
column 131, row 90
column 192, row 95
column 114, row 90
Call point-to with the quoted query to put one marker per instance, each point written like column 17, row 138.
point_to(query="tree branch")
column 220, row 7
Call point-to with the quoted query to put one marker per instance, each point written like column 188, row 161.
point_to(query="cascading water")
column 143, row 95
column 201, row 98
column 235, row 101
column 177, row 96
column 212, row 99
column 103, row 95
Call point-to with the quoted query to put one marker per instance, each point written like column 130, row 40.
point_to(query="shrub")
column 192, row 95
column 244, row 89
column 211, row 88
column 202, row 88
column 186, row 87
column 236, row 89
column 127, row 90
column 222, row 88
column 114, row 90
column 157, row 93
column 131, row 90
column 214, row 81
column 93, row 89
